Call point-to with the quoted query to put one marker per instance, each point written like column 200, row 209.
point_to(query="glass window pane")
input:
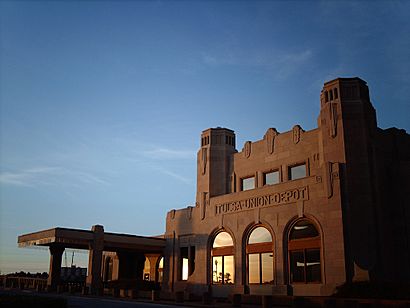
column 267, row 267
column 297, row 266
column 229, row 270
column 260, row 235
column 313, row 272
column 223, row 239
column 248, row 183
column 272, row 178
column 297, row 172
column 253, row 266
column 303, row 229
column 217, row 269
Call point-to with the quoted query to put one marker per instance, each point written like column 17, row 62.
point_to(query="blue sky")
column 103, row 102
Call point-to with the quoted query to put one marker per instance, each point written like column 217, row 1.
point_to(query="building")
column 298, row 212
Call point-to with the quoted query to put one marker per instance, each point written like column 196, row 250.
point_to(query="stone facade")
column 298, row 212
column 353, row 189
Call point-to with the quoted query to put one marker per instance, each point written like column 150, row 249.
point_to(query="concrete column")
column 56, row 253
column 94, row 280
column 153, row 266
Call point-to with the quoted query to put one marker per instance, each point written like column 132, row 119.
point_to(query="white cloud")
column 49, row 176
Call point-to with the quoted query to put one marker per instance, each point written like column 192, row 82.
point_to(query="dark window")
column 336, row 94
column 271, row 178
column 304, row 253
column 223, row 265
column 297, row 172
column 192, row 260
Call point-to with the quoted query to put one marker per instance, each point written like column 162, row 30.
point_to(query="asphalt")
column 80, row 301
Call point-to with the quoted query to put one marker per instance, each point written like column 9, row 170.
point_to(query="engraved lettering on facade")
column 289, row 196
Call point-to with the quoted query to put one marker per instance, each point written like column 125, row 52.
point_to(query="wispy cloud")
column 51, row 176
column 281, row 63
column 173, row 174
column 167, row 154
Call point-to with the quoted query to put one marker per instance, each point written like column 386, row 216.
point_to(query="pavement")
column 83, row 301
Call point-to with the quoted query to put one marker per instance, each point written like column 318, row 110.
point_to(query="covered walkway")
column 131, row 249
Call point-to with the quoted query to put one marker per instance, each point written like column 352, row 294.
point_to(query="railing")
column 23, row 282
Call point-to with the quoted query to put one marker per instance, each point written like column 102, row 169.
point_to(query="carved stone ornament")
column 269, row 137
column 247, row 149
column 203, row 159
column 333, row 120
column 297, row 130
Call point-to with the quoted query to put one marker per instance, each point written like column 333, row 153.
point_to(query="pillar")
column 94, row 280
column 56, row 253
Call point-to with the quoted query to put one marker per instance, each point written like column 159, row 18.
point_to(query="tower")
column 347, row 124
column 214, row 164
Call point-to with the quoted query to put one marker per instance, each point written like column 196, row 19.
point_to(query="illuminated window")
column 248, row 183
column 304, row 253
column 184, row 264
column 297, row 172
column 223, row 265
column 260, row 256
column 271, row 178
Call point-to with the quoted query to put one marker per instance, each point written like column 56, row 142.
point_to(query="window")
column 184, row 263
column 297, row 172
column 260, row 256
column 223, row 265
column 271, row 178
column 248, row 183
column 304, row 253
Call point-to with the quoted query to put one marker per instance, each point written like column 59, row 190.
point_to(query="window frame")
column 245, row 178
column 264, row 173
column 301, row 163
column 259, row 249
column 224, row 251
column 303, row 245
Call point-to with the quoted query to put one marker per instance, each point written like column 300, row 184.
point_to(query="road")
column 91, row 302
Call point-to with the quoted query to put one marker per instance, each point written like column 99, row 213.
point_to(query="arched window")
column 304, row 253
column 160, row 270
column 223, row 265
column 260, row 256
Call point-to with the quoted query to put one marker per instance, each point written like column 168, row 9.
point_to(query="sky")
column 102, row 103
